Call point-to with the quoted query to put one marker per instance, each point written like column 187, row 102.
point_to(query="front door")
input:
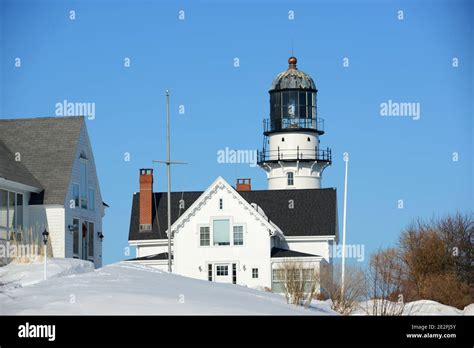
column 223, row 272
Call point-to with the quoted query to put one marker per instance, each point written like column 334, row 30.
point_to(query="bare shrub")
column 345, row 301
column 300, row 282
column 384, row 279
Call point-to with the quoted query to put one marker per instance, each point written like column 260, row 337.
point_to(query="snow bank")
column 25, row 274
column 128, row 289
column 421, row 307
column 469, row 310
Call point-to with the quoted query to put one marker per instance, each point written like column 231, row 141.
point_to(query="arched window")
column 290, row 178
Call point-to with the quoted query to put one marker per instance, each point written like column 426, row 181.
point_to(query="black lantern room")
column 293, row 102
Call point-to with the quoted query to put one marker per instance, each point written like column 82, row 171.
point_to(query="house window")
column 209, row 272
column 254, row 273
column 278, row 275
column 83, row 174
column 11, row 215
column 238, row 235
column 221, row 229
column 90, row 241
column 290, row 178
column 222, row 270
column 19, row 212
column 234, row 273
column 11, row 211
column 75, row 238
column 308, row 274
column 75, row 195
column 221, row 203
column 90, row 198
column 3, row 214
column 204, row 236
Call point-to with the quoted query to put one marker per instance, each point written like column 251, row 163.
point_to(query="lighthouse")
column 292, row 156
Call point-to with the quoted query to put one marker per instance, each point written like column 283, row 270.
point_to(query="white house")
column 239, row 235
column 48, row 181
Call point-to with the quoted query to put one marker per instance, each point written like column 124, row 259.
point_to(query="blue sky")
column 391, row 158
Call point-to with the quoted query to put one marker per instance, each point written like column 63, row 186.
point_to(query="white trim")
column 13, row 185
column 30, row 206
column 309, row 238
column 296, row 258
column 219, row 183
column 140, row 242
column 151, row 262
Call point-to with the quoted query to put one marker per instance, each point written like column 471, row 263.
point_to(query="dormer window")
column 83, row 155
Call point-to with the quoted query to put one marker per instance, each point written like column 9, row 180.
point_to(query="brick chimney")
column 243, row 185
column 146, row 192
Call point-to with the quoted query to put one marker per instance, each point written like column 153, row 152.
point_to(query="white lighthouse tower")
column 291, row 156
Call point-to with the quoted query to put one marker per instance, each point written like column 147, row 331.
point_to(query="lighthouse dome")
column 293, row 78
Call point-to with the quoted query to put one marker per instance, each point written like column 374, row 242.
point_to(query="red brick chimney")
column 243, row 185
column 146, row 192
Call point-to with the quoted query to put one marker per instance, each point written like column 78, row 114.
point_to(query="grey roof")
column 162, row 256
column 291, row 79
column 47, row 147
column 13, row 170
column 313, row 214
column 278, row 252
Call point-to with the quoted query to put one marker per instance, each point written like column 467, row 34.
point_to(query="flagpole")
column 168, row 163
column 346, row 159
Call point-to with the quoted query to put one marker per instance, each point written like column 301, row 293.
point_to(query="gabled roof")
column 47, row 147
column 278, row 252
column 13, row 170
column 313, row 214
column 159, row 211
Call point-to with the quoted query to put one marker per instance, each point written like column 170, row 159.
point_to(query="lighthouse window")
column 275, row 105
column 290, row 104
column 283, row 139
column 302, row 105
column 311, row 102
column 290, row 178
column 309, row 139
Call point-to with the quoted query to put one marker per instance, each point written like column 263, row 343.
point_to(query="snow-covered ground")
column 25, row 274
column 74, row 287
column 125, row 288
column 421, row 307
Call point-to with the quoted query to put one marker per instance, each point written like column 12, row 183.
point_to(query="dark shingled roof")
column 162, row 256
column 47, row 146
column 277, row 252
column 13, row 170
column 160, row 222
column 313, row 213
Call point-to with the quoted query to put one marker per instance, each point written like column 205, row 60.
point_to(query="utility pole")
column 346, row 159
column 168, row 163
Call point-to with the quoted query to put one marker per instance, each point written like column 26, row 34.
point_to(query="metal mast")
column 168, row 163
column 346, row 159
